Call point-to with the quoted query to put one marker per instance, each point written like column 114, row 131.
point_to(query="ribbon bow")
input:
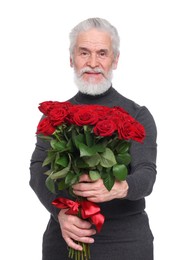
column 89, row 210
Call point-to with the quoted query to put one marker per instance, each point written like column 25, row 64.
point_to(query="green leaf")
column 77, row 139
column 80, row 163
column 62, row 173
column 62, row 185
column 99, row 168
column 71, row 179
column 59, row 146
column 70, row 146
column 120, row 172
column 94, row 175
column 93, row 160
column 62, row 160
column 100, row 148
column 113, row 143
column 107, row 158
column 86, row 151
column 123, row 147
column 109, row 181
column 49, row 159
column 48, row 172
column 123, row 158
column 89, row 138
column 75, row 168
column 50, row 184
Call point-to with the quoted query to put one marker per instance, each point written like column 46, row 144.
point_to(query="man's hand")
column 96, row 191
column 75, row 229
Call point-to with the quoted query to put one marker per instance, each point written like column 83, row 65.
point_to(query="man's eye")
column 102, row 54
column 84, row 53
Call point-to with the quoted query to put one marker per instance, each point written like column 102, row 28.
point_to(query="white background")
column 34, row 67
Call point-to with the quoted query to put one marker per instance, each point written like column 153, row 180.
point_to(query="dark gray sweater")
column 141, row 177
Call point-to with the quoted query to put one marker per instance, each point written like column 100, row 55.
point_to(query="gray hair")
column 97, row 23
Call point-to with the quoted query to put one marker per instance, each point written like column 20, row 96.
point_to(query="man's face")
column 93, row 58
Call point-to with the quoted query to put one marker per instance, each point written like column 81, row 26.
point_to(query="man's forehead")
column 94, row 38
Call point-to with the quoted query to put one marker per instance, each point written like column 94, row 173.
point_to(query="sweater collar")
column 90, row 99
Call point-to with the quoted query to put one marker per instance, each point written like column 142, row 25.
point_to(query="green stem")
column 57, row 137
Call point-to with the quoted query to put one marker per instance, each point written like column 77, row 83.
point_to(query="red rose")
column 66, row 105
column 45, row 127
column 102, row 111
column 85, row 116
column 116, row 114
column 71, row 111
column 57, row 115
column 137, row 132
column 131, row 129
column 120, row 110
column 45, row 107
column 113, row 117
column 124, row 130
column 105, row 128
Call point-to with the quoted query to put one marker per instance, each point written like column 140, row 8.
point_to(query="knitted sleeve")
column 37, row 176
column 143, row 166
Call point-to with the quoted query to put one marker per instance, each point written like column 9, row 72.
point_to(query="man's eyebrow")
column 83, row 49
column 86, row 49
column 104, row 50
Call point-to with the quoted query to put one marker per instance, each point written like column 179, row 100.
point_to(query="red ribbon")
column 89, row 210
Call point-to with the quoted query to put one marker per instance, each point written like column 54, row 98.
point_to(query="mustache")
column 89, row 70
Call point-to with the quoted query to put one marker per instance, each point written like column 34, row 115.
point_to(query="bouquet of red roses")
column 92, row 139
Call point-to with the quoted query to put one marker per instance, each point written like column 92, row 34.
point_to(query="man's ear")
column 115, row 62
column 71, row 62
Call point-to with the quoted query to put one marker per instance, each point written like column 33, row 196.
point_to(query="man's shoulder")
column 128, row 104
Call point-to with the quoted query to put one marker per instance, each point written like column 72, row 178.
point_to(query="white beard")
column 91, row 88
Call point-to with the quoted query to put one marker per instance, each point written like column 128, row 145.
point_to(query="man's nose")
column 93, row 60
